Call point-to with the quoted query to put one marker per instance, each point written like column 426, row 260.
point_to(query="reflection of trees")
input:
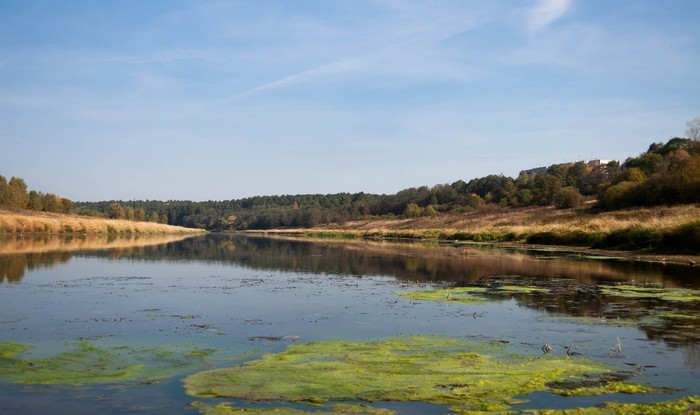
column 21, row 253
column 12, row 267
column 415, row 261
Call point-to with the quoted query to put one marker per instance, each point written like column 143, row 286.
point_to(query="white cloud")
column 546, row 12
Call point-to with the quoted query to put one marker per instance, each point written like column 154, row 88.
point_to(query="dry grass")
column 23, row 221
column 524, row 221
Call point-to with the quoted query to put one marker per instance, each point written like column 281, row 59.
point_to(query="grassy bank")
column 25, row 221
column 659, row 229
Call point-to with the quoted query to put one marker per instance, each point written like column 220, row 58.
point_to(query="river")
column 77, row 308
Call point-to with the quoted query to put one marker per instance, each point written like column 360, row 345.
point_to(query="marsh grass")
column 21, row 221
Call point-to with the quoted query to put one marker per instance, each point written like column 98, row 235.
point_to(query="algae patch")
column 468, row 295
column 82, row 363
column 660, row 293
column 341, row 409
column 687, row 405
column 464, row 375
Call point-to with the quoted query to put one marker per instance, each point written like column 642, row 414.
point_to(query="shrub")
column 683, row 239
column 567, row 198
column 571, row 238
column 633, row 238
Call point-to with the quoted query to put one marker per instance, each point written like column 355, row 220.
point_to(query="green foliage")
column 569, row 238
column 567, row 197
column 683, row 239
column 412, row 210
column 429, row 211
column 14, row 194
column 636, row 237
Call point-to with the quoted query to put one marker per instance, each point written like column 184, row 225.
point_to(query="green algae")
column 470, row 295
column 687, row 405
column 522, row 289
column 341, row 409
column 660, row 293
column 83, row 363
column 457, row 294
column 464, row 375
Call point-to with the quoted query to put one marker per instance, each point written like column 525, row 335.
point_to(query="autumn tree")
column 116, row 211
column 17, row 196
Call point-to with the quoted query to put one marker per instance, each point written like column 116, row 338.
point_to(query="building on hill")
column 598, row 163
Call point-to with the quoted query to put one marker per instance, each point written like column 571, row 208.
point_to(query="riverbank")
column 659, row 230
column 26, row 221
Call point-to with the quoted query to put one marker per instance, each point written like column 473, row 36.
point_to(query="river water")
column 240, row 296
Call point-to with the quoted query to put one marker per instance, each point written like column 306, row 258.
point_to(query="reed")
column 21, row 221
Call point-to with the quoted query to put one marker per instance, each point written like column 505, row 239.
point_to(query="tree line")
column 14, row 195
column 667, row 173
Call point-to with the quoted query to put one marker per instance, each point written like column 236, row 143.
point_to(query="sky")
column 218, row 100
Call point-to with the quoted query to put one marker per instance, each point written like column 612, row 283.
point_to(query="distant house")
column 597, row 163
column 593, row 164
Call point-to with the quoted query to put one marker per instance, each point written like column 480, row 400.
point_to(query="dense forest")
column 666, row 174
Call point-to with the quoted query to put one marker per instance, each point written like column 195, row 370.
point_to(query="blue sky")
column 214, row 100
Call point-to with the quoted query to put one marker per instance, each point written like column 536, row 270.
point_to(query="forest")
column 666, row 174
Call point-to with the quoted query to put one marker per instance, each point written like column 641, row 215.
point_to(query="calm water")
column 241, row 295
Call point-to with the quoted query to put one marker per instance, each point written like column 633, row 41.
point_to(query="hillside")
column 664, row 229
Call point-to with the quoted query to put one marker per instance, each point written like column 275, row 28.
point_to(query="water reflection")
column 462, row 264
column 572, row 284
column 19, row 253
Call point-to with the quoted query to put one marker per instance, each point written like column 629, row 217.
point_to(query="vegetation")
column 464, row 375
column 14, row 194
column 666, row 174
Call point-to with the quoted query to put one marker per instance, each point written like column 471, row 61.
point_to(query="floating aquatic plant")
column 82, row 363
column 341, row 409
column 464, row 375
column 457, row 294
column 687, row 406
column 665, row 294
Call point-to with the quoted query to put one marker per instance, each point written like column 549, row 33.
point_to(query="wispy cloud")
column 544, row 13
column 3, row 63
column 303, row 76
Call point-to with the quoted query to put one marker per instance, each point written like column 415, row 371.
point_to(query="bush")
column 633, row 238
column 567, row 198
column 569, row 238
column 683, row 239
